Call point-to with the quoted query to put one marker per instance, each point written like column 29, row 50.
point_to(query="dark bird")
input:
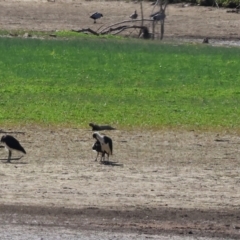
column 205, row 40
column 97, row 147
column 134, row 15
column 11, row 144
column 105, row 142
column 96, row 127
column 158, row 16
column 96, row 16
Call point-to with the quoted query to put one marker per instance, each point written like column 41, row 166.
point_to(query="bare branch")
column 126, row 21
column 114, row 29
column 166, row 3
column 86, row 30
column 122, row 28
column 156, row 3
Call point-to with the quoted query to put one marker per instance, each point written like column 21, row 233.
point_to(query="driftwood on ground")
column 126, row 21
column 86, row 30
column 117, row 30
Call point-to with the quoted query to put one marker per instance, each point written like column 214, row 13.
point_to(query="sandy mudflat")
column 159, row 184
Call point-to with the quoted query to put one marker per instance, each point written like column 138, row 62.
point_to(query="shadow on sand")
column 13, row 159
column 110, row 163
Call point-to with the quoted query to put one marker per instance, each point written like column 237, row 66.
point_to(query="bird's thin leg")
column 103, row 157
column 9, row 155
column 97, row 157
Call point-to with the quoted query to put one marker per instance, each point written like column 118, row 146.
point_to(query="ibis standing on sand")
column 11, row 144
column 96, row 16
column 105, row 142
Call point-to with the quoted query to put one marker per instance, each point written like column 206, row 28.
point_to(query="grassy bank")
column 74, row 82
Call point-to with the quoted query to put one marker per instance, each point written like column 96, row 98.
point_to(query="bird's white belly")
column 6, row 147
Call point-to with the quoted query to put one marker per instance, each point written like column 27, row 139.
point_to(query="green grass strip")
column 118, row 82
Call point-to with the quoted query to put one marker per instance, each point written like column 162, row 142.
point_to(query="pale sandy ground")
column 55, row 233
column 157, row 182
column 153, row 169
column 160, row 184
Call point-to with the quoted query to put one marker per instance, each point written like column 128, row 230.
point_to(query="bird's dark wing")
column 13, row 143
column 94, row 15
column 155, row 14
column 108, row 140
